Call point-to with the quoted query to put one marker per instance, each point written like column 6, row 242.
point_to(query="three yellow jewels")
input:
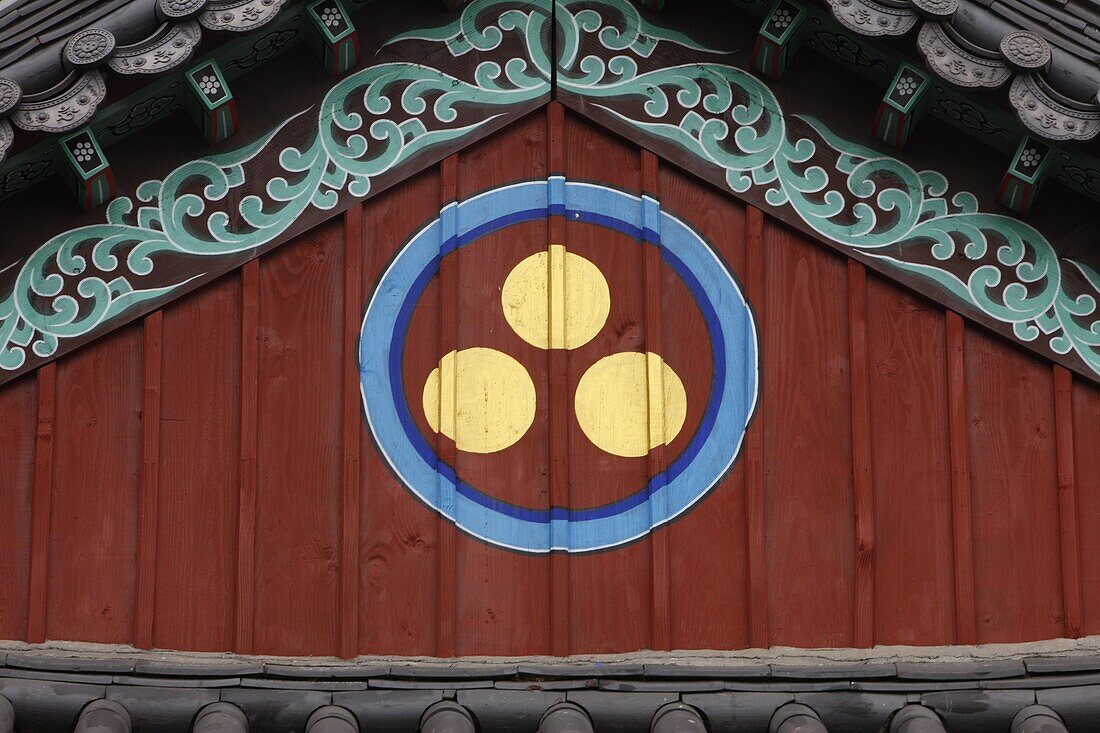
column 484, row 400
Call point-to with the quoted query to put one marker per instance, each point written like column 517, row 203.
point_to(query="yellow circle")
column 482, row 399
column 556, row 299
column 630, row 403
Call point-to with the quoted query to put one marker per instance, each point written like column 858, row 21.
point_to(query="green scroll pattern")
column 377, row 119
column 368, row 124
column 864, row 201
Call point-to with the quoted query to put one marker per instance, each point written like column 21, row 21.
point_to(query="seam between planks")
column 352, row 429
column 1067, row 503
column 37, row 592
column 755, row 516
column 862, row 474
column 148, row 500
column 961, row 510
column 246, row 496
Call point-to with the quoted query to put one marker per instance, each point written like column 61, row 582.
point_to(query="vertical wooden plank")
column 1013, row 473
column 246, row 497
column 352, row 428
column 755, row 504
column 145, row 595
column 862, row 479
column 911, row 462
column 961, row 499
column 502, row 597
column 45, row 399
column 1086, row 435
column 399, row 534
column 97, row 462
column 558, row 398
column 298, row 452
column 610, row 595
column 661, row 627
column 1069, row 527
column 807, row 411
column 446, row 613
column 18, row 422
column 707, row 544
column 200, row 464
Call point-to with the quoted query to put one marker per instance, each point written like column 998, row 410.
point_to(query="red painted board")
column 807, row 443
column 1017, row 560
column 611, row 591
column 17, row 435
column 97, row 463
column 298, row 445
column 708, row 577
column 502, row 596
column 398, row 534
column 1086, row 455
column 907, row 367
column 197, row 507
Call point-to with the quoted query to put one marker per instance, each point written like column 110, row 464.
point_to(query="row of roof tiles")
column 1049, row 49
column 120, row 669
column 613, row 698
column 53, row 53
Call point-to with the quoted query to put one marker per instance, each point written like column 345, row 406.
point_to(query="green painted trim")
column 319, row 23
column 864, row 202
column 104, row 164
column 197, row 92
column 918, row 93
column 788, row 33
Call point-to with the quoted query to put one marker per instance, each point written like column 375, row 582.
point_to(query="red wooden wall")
column 204, row 480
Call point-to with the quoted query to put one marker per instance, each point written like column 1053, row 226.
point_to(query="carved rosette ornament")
column 939, row 10
column 169, row 47
column 1026, row 51
column 7, row 135
column 88, row 48
column 180, row 9
column 957, row 65
column 873, row 19
column 67, row 111
column 1044, row 116
column 239, row 15
column 10, row 94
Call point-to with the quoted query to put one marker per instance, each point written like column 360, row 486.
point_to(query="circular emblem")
column 465, row 421
column 89, row 47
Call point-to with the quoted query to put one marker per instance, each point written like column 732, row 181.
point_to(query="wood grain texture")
column 1086, row 457
column 399, row 534
column 863, row 482
column 502, row 597
column 93, row 532
column 446, row 451
column 911, row 463
column 962, row 512
column 1017, row 549
column 145, row 593
column 248, row 472
column 298, row 446
column 807, row 413
column 904, row 476
column 709, row 547
column 657, row 459
column 558, row 412
column 610, row 594
column 42, row 502
column 1068, row 522
column 200, row 469
column 17, row 434
column 351, row 430
column 755, row 501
